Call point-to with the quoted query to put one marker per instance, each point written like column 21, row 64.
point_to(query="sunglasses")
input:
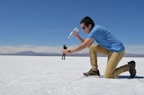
column 83, row 27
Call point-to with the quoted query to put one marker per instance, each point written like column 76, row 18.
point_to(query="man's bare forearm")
column 80, row 39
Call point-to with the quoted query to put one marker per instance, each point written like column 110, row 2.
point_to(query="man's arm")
column 81, row 39
column 87, row 43
column 78, row 37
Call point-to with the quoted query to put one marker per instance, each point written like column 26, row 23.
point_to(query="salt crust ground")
column 43, row 75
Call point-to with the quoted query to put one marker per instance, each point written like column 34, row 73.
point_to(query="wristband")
column 69, row 51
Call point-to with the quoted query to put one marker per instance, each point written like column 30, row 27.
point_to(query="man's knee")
column 92, row 47
column 108, row 75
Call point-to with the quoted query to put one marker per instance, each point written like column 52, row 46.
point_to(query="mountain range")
column 31, row 53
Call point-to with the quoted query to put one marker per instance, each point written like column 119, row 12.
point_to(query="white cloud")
column 130, row 49
column 42, row 49
column 14, row 49
column 133, row 49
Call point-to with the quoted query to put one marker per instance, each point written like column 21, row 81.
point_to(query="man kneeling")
column 107, row 44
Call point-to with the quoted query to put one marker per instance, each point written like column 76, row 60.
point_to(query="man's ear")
column 90, row 27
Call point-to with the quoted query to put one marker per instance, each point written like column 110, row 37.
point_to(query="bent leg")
column 94, row 49
column 113, row 61
column 120, row 69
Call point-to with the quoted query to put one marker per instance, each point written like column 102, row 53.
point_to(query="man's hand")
column 65, row 51
column 76, row 34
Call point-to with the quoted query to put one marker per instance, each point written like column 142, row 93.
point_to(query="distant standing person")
column 63, row 55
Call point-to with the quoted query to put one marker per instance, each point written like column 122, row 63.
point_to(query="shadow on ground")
column 128, row 77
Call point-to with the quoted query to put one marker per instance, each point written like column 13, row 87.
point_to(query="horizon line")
column 130, row 49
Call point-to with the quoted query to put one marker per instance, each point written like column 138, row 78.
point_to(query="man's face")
column 85, row 28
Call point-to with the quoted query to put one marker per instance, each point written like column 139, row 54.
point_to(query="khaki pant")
column 113, row 60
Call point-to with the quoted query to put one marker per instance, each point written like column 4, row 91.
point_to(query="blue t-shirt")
column 105, row 39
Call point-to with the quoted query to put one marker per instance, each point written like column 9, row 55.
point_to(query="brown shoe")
column 132, row 69
column 92, row 73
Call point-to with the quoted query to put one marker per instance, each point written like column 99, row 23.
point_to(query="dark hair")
column 87, row 20
column 64, row 47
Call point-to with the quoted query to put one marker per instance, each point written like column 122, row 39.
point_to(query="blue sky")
column 47, row 23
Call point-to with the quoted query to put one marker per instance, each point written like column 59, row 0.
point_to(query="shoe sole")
column 85, row 74
column 132, row 69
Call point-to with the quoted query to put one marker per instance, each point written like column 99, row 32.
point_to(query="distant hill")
column 31, row 53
